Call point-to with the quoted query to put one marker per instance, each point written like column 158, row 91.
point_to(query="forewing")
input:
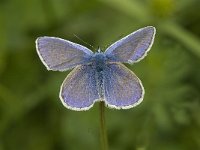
column 61, row 55
column 133, row 47
column 79, row 89
column 122, row 88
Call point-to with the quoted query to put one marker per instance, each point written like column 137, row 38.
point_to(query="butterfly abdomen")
column 99, row 62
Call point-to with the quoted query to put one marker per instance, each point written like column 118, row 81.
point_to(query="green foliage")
column 31, row 114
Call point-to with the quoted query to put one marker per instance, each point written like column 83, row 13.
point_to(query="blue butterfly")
column 99, row 76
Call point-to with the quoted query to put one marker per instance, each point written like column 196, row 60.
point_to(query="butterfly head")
column 99, row 50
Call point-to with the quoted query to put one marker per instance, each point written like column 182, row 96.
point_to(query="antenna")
column 83, row 41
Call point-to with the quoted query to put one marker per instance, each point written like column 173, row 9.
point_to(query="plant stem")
column 103, row 134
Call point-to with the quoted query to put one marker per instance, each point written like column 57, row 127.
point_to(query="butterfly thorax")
column 98, row 61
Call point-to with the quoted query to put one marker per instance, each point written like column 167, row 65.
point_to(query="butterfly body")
column 99, row 76
column 99, row 61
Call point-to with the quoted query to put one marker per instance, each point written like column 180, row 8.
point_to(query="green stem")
column 103, row 134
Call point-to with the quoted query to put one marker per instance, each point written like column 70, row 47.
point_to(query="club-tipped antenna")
column 83, row 41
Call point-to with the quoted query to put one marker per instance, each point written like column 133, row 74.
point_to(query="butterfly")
column 98, row 76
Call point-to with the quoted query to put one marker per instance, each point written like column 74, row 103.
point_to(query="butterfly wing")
column 58, row 54
column 122, row 88
column 133, row 47
column 79, row 89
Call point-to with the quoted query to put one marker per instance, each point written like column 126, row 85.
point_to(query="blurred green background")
column 31, row 114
